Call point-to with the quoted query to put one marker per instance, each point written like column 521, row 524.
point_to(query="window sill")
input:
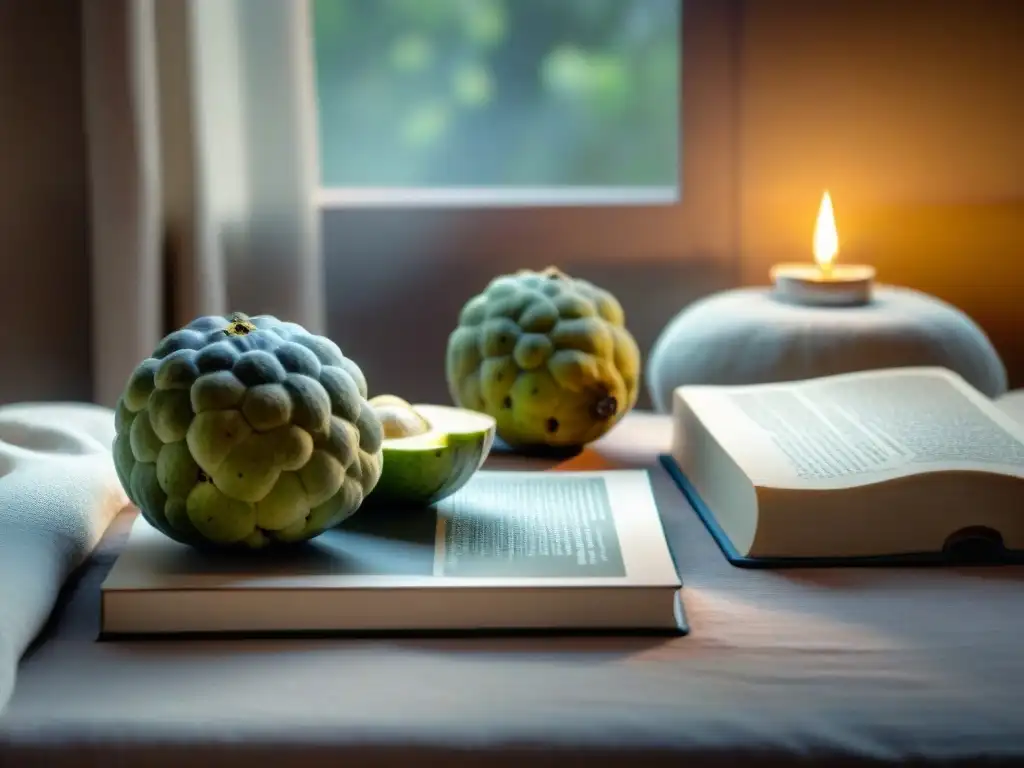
column 493, row 197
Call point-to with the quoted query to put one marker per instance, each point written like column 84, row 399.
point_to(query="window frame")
column 560, row 226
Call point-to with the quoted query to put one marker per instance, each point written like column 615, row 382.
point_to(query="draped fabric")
column 203, row 166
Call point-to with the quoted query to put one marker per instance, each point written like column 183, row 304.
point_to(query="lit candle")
column 824, row 283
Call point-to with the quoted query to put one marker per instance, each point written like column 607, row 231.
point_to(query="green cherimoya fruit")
column 430, row 451
column 548, row 356
column 246, row 432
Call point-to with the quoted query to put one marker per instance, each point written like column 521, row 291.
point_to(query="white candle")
column 824, row 283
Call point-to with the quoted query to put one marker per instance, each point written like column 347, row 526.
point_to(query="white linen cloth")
column 58, row 493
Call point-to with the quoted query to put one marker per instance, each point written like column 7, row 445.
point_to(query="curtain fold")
column 200, row 127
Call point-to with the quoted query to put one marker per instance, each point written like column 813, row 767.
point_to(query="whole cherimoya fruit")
column 246, row 432
column 548, row 356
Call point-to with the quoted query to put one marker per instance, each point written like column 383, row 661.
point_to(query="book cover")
column 542, row 549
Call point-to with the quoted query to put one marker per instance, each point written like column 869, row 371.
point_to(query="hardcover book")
column 512, row 550
column 905, row 465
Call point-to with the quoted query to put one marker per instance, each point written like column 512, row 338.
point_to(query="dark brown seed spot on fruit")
column 552, row 425
column 533, row 391
column 506, row 403
column 239, row 474
column 606, row 407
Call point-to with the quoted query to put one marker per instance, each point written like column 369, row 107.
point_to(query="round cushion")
column 748, row 336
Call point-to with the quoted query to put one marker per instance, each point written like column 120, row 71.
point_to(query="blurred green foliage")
column 498, row 92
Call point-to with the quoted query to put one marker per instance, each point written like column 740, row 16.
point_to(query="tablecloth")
column 862, row 666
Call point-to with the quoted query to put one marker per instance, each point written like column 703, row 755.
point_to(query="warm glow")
column 826, row 239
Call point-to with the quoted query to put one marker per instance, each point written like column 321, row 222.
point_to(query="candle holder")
column 839, row 286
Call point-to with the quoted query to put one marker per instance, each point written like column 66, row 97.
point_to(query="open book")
column 515, row 550
column 905, row 464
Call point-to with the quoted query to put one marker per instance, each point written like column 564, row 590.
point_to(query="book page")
column 514, row 526
column 850, row 426
column 528, row 529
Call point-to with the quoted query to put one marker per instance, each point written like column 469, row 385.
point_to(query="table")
column 864, row 666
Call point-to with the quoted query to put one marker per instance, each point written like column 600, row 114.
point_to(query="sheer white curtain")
column 203, row 163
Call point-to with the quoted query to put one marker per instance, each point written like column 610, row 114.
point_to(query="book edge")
column 724, row 543
column 674, row 621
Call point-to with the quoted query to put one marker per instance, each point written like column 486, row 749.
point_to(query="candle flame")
column 826, row 238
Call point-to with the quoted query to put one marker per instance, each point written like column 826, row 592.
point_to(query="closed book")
column 511, row 551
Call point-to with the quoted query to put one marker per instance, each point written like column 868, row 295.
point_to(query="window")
column 582, row 126
column 492, row 100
